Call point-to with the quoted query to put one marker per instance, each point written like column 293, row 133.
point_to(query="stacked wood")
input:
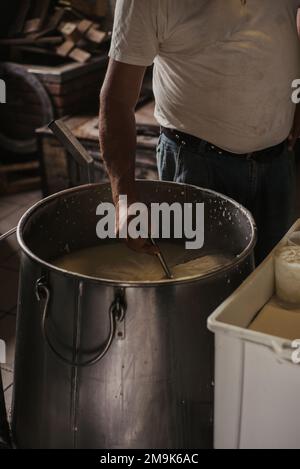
column 38, row 94
column 28, row 106
column 55, row 28
column 67, row 84
column 19, row 177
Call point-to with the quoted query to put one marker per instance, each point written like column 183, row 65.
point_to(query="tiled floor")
column 11, row 210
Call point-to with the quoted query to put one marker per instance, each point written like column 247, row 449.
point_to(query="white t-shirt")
column 223, row 70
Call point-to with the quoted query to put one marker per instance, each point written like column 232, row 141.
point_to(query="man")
column 223, row 73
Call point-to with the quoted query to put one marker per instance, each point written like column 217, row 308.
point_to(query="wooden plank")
column 85, row 127
column 11, row 168
column 65, row 49
column 72, row 145
column 77, row 31
column 53, row 40
column 66, row 72
column 52, row 25
column 72, row 122
column 54, row 162
column 70, row 31
column 67, row 28
column 19, row 22
column 84, row 26
column 18, row 177
column 32, row 25
column 36, row 50
column 88, row 130
column 29, row 41
column 96, row 36
column 68, row 49
column 90, row 80
column 41, row 10
column 22, row 185
column 80, row 55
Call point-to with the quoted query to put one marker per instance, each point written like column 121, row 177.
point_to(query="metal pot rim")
column 239, row 259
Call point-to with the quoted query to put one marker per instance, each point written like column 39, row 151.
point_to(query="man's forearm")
column 118, row 145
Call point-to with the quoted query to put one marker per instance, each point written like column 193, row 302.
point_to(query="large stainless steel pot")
column 101, row 364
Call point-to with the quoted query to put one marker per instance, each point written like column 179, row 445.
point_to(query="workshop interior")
column 149, row 226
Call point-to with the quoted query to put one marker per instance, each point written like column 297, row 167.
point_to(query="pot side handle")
column 116, row 315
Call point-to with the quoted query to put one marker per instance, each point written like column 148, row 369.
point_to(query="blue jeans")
column 267, row 189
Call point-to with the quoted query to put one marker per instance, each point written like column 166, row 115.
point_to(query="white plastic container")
column 287, row 274
column 257, row 383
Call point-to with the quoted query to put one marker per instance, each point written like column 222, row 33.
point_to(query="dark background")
column 7, row 11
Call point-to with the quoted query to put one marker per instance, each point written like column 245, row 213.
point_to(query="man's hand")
column 295, row 132
column 142, row 245
column 117, row 126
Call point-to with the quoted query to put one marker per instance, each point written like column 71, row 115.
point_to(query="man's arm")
column 118, row 99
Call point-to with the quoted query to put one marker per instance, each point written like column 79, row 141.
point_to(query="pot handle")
column 116, row 315
column 8, row 234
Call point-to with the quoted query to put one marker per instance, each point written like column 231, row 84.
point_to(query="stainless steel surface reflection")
column 102, row 364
